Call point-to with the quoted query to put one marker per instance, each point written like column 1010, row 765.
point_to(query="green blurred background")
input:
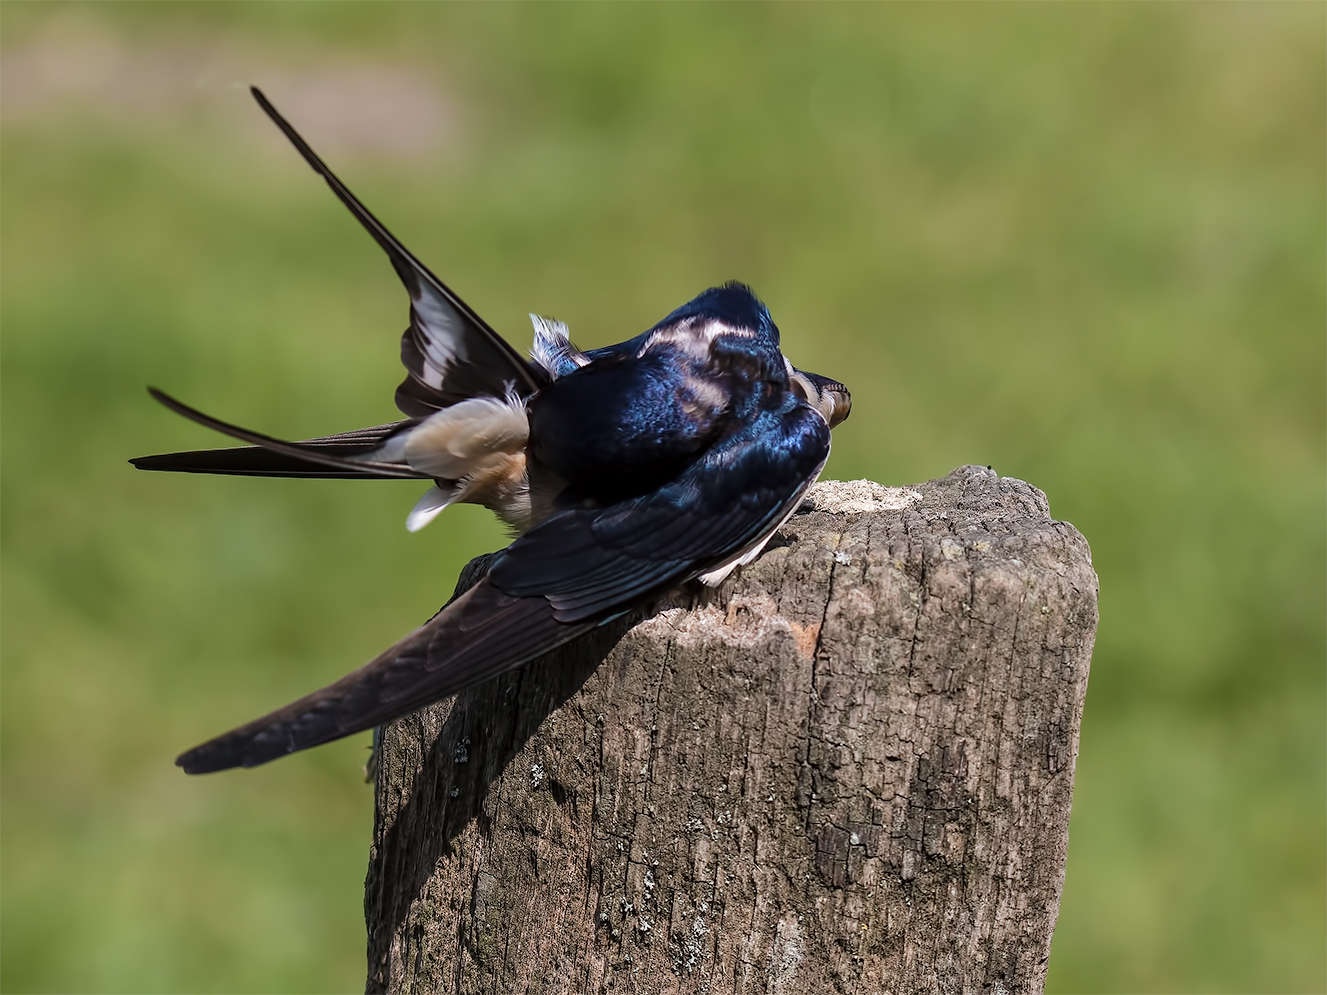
column 1081, row 243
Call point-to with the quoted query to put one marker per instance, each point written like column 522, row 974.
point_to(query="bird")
column 623, row 472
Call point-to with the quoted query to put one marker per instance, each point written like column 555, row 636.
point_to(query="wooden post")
column 848, row 769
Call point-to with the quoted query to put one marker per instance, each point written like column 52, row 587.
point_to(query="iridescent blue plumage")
column 628, row 470
column 639, row 412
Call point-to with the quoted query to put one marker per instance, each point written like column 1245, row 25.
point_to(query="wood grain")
column 847, row 769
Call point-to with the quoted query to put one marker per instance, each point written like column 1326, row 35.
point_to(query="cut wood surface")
column 847, row 769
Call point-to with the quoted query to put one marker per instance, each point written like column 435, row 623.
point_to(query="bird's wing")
column 279, row 458
column 449, row 351
column 479, row 635
column 583, row 562
column 257, row 461
column 555, row 583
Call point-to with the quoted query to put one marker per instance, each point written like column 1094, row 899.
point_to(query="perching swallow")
column 626, row 471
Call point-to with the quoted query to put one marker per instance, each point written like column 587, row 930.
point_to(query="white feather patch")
column 552, row 346
column 692, row 336
column 427, row 508
column 444, row 343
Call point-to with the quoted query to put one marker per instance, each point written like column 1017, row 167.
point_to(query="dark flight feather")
column 451, row 353
column 257, row 461
column 477, row 636
column 313, row 452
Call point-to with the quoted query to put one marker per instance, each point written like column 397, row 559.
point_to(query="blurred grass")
column 1084, row 244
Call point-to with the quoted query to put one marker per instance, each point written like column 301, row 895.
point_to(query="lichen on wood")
column 849, row 768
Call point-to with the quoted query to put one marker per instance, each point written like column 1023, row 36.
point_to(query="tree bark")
column 847, row 769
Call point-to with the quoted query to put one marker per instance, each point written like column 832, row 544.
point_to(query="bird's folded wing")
column 481, row 634
column 449, row 351
column 555, row 583
column 585, row 562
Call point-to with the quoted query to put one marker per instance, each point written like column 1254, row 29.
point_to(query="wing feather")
column 308, row 452
column 256, row 461
column 480, row 635
column 557, row 582
column 730, row 499
column 449, row 351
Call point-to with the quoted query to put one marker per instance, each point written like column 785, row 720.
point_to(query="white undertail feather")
column 428, row 507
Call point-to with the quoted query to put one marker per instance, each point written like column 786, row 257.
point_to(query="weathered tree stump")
column 848, row 769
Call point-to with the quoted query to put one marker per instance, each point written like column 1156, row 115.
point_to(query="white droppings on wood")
column 849, row 497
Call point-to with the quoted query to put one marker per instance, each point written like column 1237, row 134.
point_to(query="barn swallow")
column 624, row 471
